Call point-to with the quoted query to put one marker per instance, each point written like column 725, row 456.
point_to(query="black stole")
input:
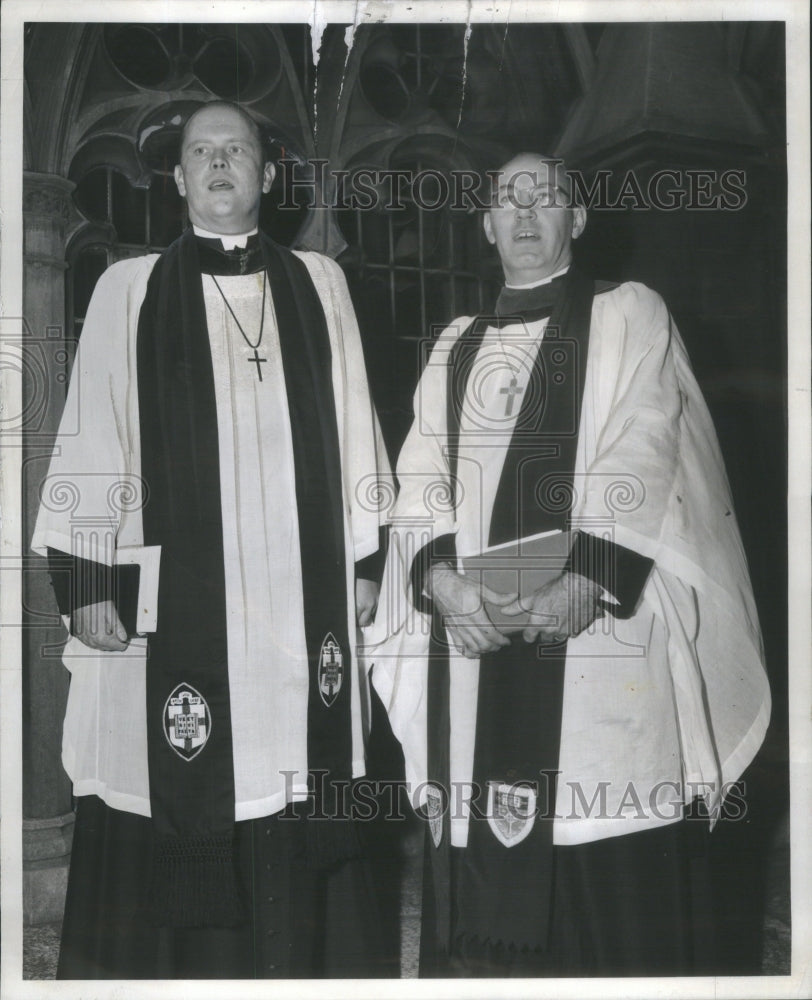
column 503, row 893
column 192, row 792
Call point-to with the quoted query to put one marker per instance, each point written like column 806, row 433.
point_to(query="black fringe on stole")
column 194, row 883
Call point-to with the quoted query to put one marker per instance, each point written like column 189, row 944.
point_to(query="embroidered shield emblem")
column 187, row 721
column 511, row 812
column 434, row 813
column 331, row 669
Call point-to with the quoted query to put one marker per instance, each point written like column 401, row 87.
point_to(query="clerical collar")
column 215, row 259
column 541, row 281
column 230, row 241
column 529, row 303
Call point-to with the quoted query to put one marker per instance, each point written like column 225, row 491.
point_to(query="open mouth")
column 525, row 234
column 221, row 185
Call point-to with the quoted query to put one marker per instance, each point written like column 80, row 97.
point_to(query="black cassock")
column 299, row 922
column 631, row 905
column 190, row 893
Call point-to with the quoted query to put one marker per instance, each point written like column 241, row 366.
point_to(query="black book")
column 126, row 584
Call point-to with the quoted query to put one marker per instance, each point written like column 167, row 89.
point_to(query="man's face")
column 222, row 173
column 530, row 223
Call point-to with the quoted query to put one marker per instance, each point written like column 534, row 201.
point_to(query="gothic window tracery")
column 410, row 269
column 229, row 61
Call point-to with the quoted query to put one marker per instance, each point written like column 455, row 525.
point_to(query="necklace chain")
column 239, row 325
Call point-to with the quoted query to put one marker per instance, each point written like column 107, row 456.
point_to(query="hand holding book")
column 560, row 608
column 99, row 627
column 108, row 605
column 552, row 603
column 461, row 601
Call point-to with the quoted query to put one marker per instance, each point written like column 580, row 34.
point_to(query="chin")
column 531, row 270
column 235, row 222
column 529, row 259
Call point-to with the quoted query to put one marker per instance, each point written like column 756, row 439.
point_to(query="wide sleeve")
column 650, row 465
column 368, row 486
column 653, row 475
column 91, row 482
column 632, row 429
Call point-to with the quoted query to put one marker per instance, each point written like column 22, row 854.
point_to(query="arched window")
column 415, row 261
column 125, row 221
column 234, row 62
column 127, row 196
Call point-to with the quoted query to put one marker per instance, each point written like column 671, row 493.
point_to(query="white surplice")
column 104, row 738
column 666, row 705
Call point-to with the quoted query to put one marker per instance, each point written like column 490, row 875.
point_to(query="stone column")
column 47, row 812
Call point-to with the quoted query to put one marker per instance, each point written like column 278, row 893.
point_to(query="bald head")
column 220, row 106
column 223, row 170
column 530, row 222
column 527, row 174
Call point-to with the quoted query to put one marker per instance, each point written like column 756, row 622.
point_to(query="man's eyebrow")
column 191, row 143
column 505, row 185
column 511, row 181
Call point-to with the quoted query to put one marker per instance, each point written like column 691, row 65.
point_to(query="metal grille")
column 412, row 272
column 138, row 221
column 421, row 266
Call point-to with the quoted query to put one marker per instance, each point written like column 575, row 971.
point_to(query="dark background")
column 100, row 100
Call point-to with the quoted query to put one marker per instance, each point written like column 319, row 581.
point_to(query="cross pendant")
column 511, row 391
column 257, row 360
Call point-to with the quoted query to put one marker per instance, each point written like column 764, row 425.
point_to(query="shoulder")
column 121, row 287
column 444, row 340
column 320, row 264
column 630, row 321
column 455, row 329
column 638, row 303
column 633, row 317
column 124, row 274
column 440, row 351
column 131, row 267
column 111, row 320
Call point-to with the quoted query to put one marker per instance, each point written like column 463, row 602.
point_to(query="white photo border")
column 319, row 12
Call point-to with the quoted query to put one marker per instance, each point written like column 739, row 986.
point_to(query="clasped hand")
column 461, row 602
column 562, row 607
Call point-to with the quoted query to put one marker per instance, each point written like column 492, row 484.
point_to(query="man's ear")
column 179, row 180
column 268, row 174
column 487, row 225
column 578, row 221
